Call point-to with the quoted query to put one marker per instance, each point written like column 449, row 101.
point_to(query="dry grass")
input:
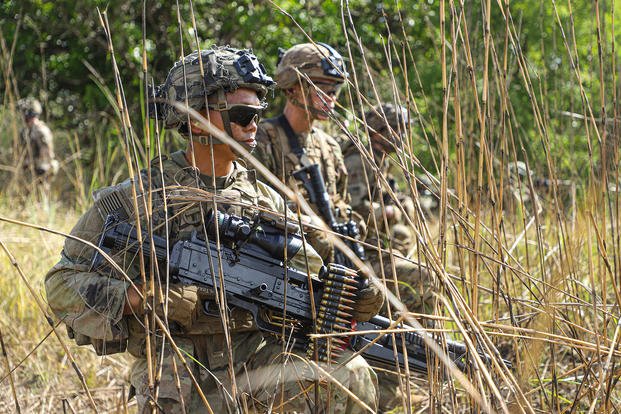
column 553, row 341
column 43, row 378
column 541, row 288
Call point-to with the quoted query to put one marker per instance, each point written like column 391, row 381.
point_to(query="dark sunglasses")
column 328, row 88
column 242, row 115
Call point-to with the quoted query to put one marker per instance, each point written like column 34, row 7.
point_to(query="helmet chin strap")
column 222, row 103
column 308, row 105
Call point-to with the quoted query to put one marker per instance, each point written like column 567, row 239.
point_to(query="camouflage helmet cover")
column 396, row 116
column 225, row 69
column 30, row 107
column 317, row 61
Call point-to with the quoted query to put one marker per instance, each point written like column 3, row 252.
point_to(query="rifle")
column 316, row 188
column 257, row 280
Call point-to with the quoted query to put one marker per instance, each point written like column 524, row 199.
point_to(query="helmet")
column 396, row 116
column 225, row 70
column 30, row 107
column 318, row 61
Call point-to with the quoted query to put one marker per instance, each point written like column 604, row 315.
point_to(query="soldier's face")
column 243, row 134
column 320, row 98
column 380, row 144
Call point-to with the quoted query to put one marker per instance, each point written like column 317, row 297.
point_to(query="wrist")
column 133, row 301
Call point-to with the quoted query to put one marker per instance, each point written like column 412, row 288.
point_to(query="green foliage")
column 58, row 52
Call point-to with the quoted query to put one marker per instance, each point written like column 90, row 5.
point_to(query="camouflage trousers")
column 415, row 289
column 266, row 379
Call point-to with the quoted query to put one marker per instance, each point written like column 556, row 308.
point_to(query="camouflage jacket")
column 91, row 303
column 274, row 152
column 39, row 146
column 359, row 193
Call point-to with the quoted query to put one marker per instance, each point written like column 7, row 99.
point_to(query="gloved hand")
column 183, row 305
column 322, row 244
column 211, row 323
column 368, row 302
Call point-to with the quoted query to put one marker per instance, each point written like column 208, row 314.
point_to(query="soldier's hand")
column 368, row 302
column 183, row 305
column 322, row 244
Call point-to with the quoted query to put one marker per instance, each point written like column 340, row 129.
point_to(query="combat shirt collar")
column 306, row 137
column 221, row 182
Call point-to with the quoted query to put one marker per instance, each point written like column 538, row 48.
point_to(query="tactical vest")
column 399, row 233
column 173, row 177
column 239, row 187
column 319, row 148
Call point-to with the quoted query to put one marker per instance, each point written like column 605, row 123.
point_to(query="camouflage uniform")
column 91, row 303
column 38, row 142
column 399, row 236
column 274, row 152
column 321, row 64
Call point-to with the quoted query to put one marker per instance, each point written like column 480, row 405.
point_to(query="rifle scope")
column 259, row 231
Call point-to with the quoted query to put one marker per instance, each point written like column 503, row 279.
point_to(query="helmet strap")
column 308, row 104
column 225, row 114
column 226, row 122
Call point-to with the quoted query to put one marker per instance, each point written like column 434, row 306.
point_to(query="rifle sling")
column 294, row 141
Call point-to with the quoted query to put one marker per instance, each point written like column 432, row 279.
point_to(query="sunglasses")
column 242, row 115
column 328, row 88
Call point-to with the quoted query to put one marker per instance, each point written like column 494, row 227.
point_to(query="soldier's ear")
column 293, row 91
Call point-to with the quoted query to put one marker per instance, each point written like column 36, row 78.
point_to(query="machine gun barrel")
column 414, row 343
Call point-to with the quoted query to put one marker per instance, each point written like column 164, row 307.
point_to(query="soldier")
column 105, row 310
column 517, row 194
column 38, row 142
column 383, row 123
column 379, row 129
column 310, row 76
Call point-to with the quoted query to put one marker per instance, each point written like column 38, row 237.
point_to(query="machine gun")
column 256, row 278
column 315, row 186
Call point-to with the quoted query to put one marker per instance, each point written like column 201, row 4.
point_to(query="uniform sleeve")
column 321, row 243
column 341, row 169
column 341, row 201
column 356, row 185
column 298, row 261
column 264, row 151
column 88, row 302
